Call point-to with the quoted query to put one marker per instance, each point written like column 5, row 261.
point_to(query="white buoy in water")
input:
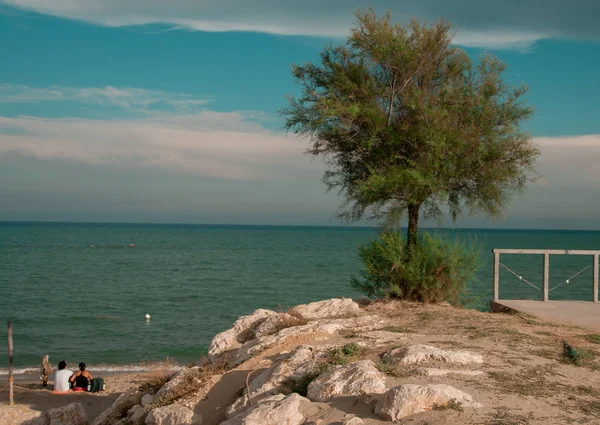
column 147, row 316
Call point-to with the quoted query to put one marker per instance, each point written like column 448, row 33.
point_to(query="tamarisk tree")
column 408, row 124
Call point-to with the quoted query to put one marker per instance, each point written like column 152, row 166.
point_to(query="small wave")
column 101, row 368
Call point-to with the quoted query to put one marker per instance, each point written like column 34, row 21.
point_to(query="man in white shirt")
column 61, row 379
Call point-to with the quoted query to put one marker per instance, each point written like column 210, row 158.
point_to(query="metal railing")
column 546, row 253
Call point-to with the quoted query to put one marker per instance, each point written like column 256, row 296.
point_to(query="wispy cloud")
column 132, row 99
column 498, row 24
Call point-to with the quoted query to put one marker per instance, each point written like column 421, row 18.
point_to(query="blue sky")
column 135, row 111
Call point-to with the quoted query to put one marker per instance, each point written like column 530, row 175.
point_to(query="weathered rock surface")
column 71, row 414
column 444, row 372
column 327, row 309
column 358, row 378
column 283, row 412
column 280, row 377
column 317, row 330
column 406, row 400
column 138, row 417
column 174, row 414
column 147, row 399
column 352, row 420
column 119, row 408
column 178, row 384
column 242, row 331
column 425, row 353
column 275, row 323
column 18, row 415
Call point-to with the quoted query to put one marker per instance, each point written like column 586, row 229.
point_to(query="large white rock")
column 315, row 331
column 174, row 414
column 406, row 400
column 71, row 414
column 21, row 415
column 242, row 331
column 275, row 323
column 178, row 385
column 138, row 417
column 425, row 353
column 327, row 309
column 119, row 408
column 283, row 412
column 352, row 420
column 280, row 377
column 358, row 378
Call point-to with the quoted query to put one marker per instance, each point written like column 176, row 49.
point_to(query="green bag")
column 96, row 385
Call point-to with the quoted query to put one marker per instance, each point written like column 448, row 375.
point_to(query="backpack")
column 96, row 385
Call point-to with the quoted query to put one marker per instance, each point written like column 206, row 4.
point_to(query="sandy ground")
column 33, row 395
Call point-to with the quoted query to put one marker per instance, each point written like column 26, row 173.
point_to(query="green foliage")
column 342, row 355
column 452, row 404
column 436, row 269
column 407, row 123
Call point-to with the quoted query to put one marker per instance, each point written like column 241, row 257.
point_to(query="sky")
column 154, row 111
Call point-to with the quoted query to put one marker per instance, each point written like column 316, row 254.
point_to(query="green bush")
column 436, row 270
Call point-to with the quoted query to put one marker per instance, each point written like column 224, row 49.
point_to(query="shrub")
column 435, row 270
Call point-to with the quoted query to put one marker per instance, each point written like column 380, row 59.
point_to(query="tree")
column 407, row 123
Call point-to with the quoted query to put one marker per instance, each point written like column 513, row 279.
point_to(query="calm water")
column 79, row 292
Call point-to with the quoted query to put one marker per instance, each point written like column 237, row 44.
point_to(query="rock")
column 21, row 415
column 444, row 372
column 283, row 412
column 174, row 414
column 352, row 420
column 275, row 323
column 147, row 399
column 358, row 378
column 71, row 414
column 313, row 331
column 280, row 378
column 424, row 353
column 327, row 309
column 179, row 384
column 134, row 409
column 119, row 408
column 242, row 331
column 406, row 400
column 139, row 416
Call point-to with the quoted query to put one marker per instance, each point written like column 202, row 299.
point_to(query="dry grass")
column 158, row 375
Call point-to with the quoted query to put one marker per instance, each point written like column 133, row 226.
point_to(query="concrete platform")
column 578, row 313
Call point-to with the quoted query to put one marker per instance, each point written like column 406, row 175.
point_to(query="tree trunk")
column 413, row 226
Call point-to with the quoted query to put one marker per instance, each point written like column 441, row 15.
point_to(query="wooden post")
column 595, row 278
column 546, row 271
column 496, row 275
column 11, row 400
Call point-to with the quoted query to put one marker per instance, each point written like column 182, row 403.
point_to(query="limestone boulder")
column 426, row 353
column 21, row 415
column 287, row 411
column 352, row 420
column 119, row 408
column 358, row 378
column 138, row 417
column 312, row 331
column 327, row 309
column 443, row 372
column 177, row 385
column 410, row 399
column 241, row 331
column 275, row 323
column 71, row 414
column 174, row 414
column 280, row 378
column 147, row 399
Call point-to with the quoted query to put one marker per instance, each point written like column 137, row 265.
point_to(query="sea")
column 80, row 292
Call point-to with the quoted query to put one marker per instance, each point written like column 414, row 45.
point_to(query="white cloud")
column 132, row 99
column 507, row 24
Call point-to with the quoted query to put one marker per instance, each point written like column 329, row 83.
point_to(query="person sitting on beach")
column 61, row 378
column 81, row 378
column 46, row 370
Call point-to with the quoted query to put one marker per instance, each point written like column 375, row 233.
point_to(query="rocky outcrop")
column 174, row 414
column 72, row 414
column 137, row 414
column 444, row 372
column 358, row 378
column 426, row 353
column 179, row 384
column 286, row 372
column 286, row 411
column 406, row 400
column 18, row 415
column 242, row 331
column 327, row 309
column 147, row 399
column 119, row 408
column 352, row 420
column 314, row 331
column 275, row 323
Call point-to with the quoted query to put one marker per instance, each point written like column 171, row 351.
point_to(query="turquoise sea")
column 80, row 292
